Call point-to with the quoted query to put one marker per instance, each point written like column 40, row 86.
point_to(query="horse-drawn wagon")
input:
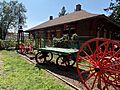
column 97, row 62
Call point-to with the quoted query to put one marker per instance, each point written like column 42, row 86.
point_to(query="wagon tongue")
column 97, row 69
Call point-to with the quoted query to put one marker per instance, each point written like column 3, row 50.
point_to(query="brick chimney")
column 78, row 7
column 51, row 18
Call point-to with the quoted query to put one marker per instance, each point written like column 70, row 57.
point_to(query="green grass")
column 18, row 74
column 84, row 67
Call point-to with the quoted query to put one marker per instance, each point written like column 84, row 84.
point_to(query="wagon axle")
column 97, row 69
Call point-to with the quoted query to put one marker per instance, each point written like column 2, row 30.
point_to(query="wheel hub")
column 97, row 69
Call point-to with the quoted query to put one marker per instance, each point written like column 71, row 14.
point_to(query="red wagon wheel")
column 65, row 60
column 21, row 49
column 98, row 62
column 62, row 62
column 43, row 57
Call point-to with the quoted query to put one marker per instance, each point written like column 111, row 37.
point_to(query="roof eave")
column 30, row 30
column 110, row 20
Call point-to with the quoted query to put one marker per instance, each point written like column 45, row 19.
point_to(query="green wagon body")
column 65, row 57
column 59, row 50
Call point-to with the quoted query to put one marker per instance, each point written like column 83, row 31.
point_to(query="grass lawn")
column 18, row 74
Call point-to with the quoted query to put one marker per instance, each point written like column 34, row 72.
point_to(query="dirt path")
column 1, row 64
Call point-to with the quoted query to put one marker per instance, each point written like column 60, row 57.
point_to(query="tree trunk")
column 0, row 33
column 4, row 35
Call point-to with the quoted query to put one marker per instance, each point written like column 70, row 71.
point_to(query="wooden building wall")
column 86, row 29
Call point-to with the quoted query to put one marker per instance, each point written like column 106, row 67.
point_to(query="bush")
column 66, row 41
column 28, row 42
column 61, row 42
column 2, row 44
column 5, row 44
column 75, row 41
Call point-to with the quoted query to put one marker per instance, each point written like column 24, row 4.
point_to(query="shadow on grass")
column 69, row 72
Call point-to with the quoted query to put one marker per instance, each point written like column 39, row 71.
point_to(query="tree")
column 12, row 14
column 114, row 10
column 62, row 12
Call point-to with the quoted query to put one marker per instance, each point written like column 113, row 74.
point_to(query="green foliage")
column 2, row 44
column 10, row 43
column 55, row 42
column 62, row 12
column 62, row 42
column 12, row 14
column 5, row 44
column 114, row 10
column 75, row 37
column 75, row 41
column 20, row 75
column 28, row 42
column 66, row 41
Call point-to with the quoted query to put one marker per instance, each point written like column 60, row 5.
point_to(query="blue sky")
column 39, row 11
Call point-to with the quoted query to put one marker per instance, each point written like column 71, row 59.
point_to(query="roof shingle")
column 74, row 16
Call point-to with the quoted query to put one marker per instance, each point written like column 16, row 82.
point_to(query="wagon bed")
column 65, row 57
column 58, row 50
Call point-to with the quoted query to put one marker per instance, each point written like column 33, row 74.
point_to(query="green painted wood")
column 34, row 39
column 44, row 38
column 58, row 50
